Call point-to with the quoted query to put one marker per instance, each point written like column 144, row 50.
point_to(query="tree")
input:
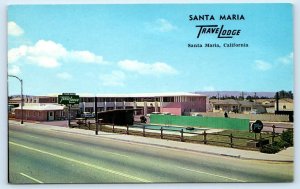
column 285, row 94
column 241, row 98
column 213, row 97
column 249, row 97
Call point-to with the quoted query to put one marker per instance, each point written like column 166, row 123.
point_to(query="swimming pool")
column 171, row 128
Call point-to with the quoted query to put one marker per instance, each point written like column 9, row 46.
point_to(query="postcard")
column 150, row 93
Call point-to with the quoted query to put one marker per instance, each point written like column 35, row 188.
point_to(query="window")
column 284, row 106
column 119, row 99
column 217, row 107
column 168, row 99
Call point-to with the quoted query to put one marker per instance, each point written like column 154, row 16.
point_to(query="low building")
column 285, row 104
column 40, row 112
column 228, row 105
column 232, row 105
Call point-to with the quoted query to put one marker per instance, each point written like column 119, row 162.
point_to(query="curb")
column 185, row 149
column 171, row 147
column 203, row 152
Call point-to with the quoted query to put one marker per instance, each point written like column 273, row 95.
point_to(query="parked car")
column 87, row 115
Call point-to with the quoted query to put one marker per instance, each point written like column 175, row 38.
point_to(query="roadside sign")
column 257, row 126
column 68, row 99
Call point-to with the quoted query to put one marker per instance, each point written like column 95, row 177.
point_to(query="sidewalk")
column 283, row 156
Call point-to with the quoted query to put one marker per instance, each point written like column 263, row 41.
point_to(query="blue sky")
column 143, row 48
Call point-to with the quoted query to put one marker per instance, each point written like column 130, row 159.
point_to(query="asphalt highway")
column 49, row 156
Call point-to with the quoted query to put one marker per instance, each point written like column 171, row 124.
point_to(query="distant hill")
column 236, row 93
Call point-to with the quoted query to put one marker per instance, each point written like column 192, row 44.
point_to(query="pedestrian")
column 225, row 115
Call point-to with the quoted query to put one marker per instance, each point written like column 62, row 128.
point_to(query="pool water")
column 172, row 128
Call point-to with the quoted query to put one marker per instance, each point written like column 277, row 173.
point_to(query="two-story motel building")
column 173, row 103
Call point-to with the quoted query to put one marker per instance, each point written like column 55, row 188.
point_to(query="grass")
column 239, row 138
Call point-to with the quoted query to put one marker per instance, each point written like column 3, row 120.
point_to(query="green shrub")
column 288, row 137
column 282, row 144
column 286, row 140
column 270, row 148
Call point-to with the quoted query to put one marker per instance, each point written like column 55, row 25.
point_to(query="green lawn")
column 239, row 138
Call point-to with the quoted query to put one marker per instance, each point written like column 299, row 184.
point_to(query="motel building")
column 146, row 103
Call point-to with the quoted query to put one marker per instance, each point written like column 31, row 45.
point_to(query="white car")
column 87, row 115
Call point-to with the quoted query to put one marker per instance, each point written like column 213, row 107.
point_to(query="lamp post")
column 22, row 99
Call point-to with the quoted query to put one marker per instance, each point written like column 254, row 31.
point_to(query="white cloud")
column 156, row 68
column 161, row 25
column 50, row 54
column 13, row 29
column 85, row 57
column 64, row 75
column 262, row 65
column 16, row 53
column 288, row 59
column 115, row 78
column 14, row 70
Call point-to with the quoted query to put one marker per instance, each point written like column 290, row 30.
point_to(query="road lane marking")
column 202, row 172
column 33, row 137
column 69, row 144
column 31, row 178
column 81, row 162
column 113, row 153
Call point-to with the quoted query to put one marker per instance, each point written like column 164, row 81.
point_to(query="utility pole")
column 22, row 98
column 96, row 116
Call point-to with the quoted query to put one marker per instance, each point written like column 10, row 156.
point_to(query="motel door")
column 50, row 116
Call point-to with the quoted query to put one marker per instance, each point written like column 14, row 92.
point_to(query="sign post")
column 96, row 115
column 68, row 99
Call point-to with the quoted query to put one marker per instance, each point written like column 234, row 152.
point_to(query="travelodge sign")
column 68, row 98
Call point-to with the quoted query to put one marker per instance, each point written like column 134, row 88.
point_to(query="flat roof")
column 42, row 107
column 132, row 95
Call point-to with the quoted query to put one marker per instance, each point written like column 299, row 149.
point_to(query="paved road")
column 49, row 156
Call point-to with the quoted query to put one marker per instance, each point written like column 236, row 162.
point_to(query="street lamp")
column 22, row 99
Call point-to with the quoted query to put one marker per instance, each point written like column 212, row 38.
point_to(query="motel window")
column 119, row 99
column 148, row 99
column 110, row 99
column 100, row 99
column 217, row 107
column 129, row 99
column 90, row 99
column 168, row 99
column 284, row 106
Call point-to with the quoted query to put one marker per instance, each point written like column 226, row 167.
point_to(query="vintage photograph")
column 150, row 93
